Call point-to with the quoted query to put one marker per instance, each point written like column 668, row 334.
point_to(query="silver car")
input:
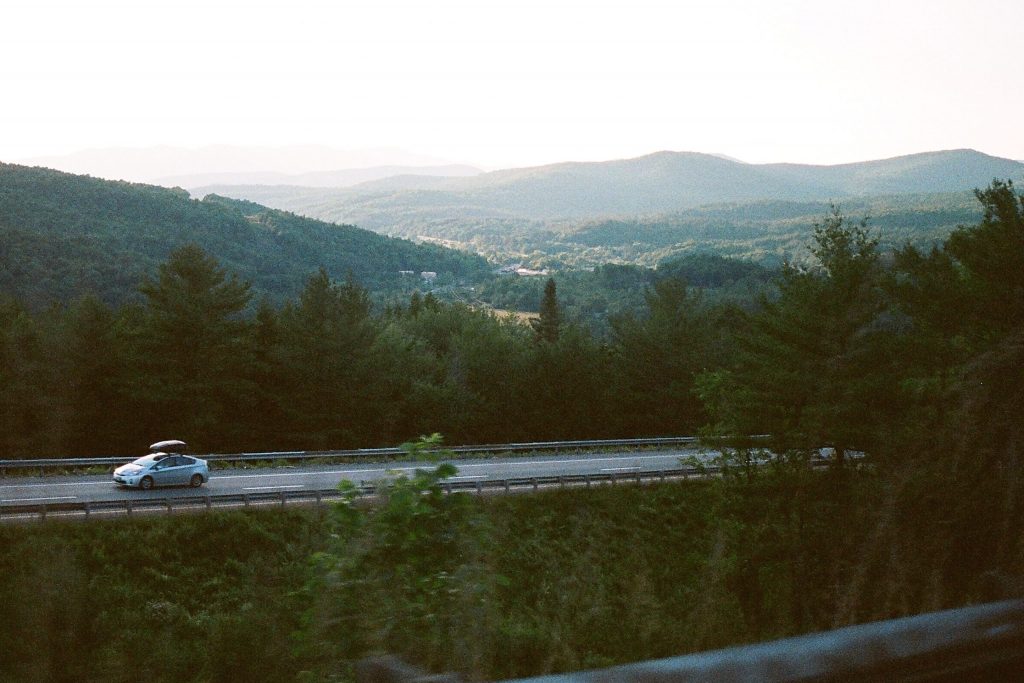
column 163, row 469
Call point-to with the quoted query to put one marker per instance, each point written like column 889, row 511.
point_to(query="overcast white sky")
column 515, row 83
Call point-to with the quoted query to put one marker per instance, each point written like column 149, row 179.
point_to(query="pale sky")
column 514, row 83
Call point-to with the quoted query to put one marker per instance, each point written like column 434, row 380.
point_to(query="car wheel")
column 146, row 483
column 196, row 481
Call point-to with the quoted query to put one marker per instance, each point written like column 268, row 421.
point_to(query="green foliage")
column 810, row 368
column 64, row 236
column 917, row 363
column 407, row 576
column 193, row 347
column 204, row 598
column 659, row 356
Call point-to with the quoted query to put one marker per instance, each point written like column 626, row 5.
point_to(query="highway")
column 101, row 488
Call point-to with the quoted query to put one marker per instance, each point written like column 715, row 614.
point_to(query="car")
column 165, row 466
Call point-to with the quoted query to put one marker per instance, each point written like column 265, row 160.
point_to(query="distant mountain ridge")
column 148, row 164
column 346, row 177
column 657, row 183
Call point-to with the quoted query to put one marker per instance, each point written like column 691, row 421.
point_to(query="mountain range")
column 658, row 183
column 679, row 200
column 346, row 177
column 167, row 165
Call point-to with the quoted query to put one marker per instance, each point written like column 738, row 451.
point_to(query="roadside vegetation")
column 493, row 587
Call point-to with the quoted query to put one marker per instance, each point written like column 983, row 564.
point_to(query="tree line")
column 196, row 360
column 860, row 350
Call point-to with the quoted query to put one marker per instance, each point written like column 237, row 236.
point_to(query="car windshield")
column 147, row 460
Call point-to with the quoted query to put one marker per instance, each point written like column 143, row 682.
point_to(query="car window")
column 185, row 460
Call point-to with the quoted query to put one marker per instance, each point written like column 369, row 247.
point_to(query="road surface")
column 99, row 488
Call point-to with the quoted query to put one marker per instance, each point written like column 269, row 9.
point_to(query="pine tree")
column 548, row 325
column 193, row 350
column 329, row 363
column 815, row 366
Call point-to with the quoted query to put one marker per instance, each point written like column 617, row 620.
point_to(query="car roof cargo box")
column 172, row 446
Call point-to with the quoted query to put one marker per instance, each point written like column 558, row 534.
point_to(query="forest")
column 831, row 352
column 913, row 358
column 65, row 236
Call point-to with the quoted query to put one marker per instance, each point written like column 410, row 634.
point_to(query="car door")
column 187, row 468
column 163, row 471
column 179, row 470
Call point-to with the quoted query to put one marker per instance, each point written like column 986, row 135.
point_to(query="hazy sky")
column 516, row 83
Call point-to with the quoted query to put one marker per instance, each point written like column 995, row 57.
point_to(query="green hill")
column 65, row 235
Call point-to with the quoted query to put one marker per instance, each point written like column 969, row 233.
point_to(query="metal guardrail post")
column 167, row 502
column 245, row 499
column 282, row 498
column 87, row 506
column 479, row 488
column 42, row 515
column 128, row 508
column 209, row 503
column 533, row 480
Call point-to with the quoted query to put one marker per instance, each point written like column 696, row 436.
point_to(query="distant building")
column 518, row 269
column 407, row 272
column 428, row 275
column 528, row 272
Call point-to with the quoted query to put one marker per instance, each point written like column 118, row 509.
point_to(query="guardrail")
column 170, row 504
column 981, row 642
column 385, row 453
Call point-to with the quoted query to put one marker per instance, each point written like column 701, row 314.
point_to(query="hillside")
column 654, row 184
column 765, row 231
column 65, row 235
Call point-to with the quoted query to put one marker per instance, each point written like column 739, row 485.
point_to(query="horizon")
column 97, row 162
column 511, row 85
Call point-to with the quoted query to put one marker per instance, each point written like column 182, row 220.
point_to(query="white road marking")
column 460, row 465
column 263, row 488
column 109, row 482
column 469, row 476
column 27, row 500
column 619, row 469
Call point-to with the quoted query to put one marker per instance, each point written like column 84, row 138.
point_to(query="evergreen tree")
column 327, row 356
column 657, row 359
column 547, row 326
column 23, row 409
column 816, row 366
column 92, row 393
column 194, row 349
